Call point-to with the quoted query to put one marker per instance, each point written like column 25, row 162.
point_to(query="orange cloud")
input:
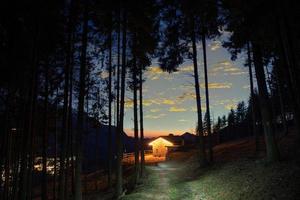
column 176, row 109
column 217, row 85
column 128, row 103
column 154, row 110
column 227, row 68
column 203, row 108
column 182, row 120
column 189, row 68
column 230, row 106
column 155, row 73
column 215, row 45
column 154, row 70
column 156, row 133
column 168, row 102
column 155, row 116
column 187, row 96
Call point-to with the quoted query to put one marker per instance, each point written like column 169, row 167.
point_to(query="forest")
column 66, row 68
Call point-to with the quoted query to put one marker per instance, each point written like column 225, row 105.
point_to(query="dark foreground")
column 236, row 174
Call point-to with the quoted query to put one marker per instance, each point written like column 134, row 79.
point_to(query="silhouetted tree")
column 241, row 112
column 241, row 23
column 119, row 138
column 251, row 100
column 80, row 115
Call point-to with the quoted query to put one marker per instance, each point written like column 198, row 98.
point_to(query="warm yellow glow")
column 160, row 147
column 50, row 164
column 161, row 141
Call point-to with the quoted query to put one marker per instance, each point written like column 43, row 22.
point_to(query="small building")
column 163, row 144
column 189, row 138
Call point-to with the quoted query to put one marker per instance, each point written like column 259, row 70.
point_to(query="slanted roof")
column 161, row 139
column 188, row 137
column 176, row 140
column 187, row 134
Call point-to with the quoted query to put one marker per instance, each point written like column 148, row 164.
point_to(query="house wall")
column 159, row 149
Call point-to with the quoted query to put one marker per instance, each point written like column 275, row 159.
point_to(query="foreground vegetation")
column 236, row 174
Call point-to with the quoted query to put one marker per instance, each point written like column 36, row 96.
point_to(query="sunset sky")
column 169, row 99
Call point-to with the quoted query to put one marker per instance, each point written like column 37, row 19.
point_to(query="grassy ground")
column 236, row 174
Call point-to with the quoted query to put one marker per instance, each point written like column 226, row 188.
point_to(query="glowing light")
column 50, row 164
column 160, row 140
column 13, row 129
column 160, row 147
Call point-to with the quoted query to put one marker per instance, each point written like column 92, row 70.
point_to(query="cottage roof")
column 175, row 140
column 161, row 139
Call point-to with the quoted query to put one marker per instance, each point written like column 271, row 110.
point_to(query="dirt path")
column 236, row 174
column 160, row 183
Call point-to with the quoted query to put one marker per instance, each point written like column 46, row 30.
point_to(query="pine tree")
column 80, row 115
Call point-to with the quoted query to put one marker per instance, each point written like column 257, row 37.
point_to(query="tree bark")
column 25, row 170
column 279, row 86
column 202, row 156
column 80, row 115
column 109, row 142
column 287, row 51
column 7, row 156
column 118, row 65
column 266, row 111
column 70, row 152
column 135, row 119
column 45, row 135
column 119, row 184
column 55, row 147
column 142, row 124
column 65, row 117
column 207, row 97
column 255, row 133
column 5, row 146
column 64, row 130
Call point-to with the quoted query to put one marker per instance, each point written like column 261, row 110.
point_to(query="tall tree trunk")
column 118, row 64
column 64, row 130
column 86, row 127
column 32, row 143
column 109, row 137
column 80, row 115
column 202, row 156
column 55, row 146
column 45, row 135
column 16, row 167
column 279, row 86
column 65, row 117
column 255, row 131
column 71, row 133
column 207, row 97
column 142, row 124
column 269, row 87
column 290, row 89
column 5, row 146
column 97, row 153
column 135, row 120
column 119, row 184
column 288, row 53
column 69, row 151
column 266, row 111
column 3, row 139
column 26, row 159
column 7, row 150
